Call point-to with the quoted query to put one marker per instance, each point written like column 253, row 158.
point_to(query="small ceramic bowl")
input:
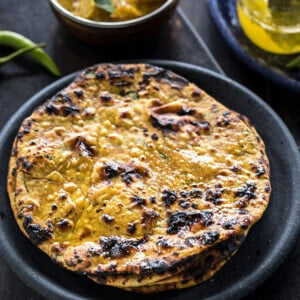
column 103, row 33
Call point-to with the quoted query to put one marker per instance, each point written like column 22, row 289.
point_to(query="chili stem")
column 18, row 41
column 10, row 57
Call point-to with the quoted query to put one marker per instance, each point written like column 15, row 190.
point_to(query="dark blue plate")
column 265, row 248
column 271, row 66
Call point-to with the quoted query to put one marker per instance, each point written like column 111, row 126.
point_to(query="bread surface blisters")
column 132, row 175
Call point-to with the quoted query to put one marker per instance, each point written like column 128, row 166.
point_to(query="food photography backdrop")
column 192, row 37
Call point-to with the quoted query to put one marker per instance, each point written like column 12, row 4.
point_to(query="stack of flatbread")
column 138, row 179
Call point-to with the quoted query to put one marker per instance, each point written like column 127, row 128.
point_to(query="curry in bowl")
column 111, row 10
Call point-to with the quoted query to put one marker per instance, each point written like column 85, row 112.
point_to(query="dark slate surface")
column 19, row 81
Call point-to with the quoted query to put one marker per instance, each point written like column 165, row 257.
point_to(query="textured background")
column 19, row 81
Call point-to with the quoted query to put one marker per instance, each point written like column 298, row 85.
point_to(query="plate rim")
column 247, row 284
column 249, row 60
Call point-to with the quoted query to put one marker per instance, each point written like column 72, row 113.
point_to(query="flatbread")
column 201, row 268
column 132, row 169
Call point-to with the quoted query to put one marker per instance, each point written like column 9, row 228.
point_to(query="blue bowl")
column 270, row 66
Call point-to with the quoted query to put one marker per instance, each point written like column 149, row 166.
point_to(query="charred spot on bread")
column 37, row 233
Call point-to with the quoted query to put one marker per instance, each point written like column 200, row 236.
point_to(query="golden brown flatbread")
column 202, row 268
column 132, row 170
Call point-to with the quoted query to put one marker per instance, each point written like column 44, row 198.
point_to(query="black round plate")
column 265, row 248
column 271, row 66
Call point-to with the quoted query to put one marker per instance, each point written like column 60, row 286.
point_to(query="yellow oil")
column 276, row 31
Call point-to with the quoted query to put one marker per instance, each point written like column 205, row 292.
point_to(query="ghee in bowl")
column 111, row 10
column 273, row 25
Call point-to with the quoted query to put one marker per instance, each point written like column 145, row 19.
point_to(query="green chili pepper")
column 10, row 57
column 18, row 41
